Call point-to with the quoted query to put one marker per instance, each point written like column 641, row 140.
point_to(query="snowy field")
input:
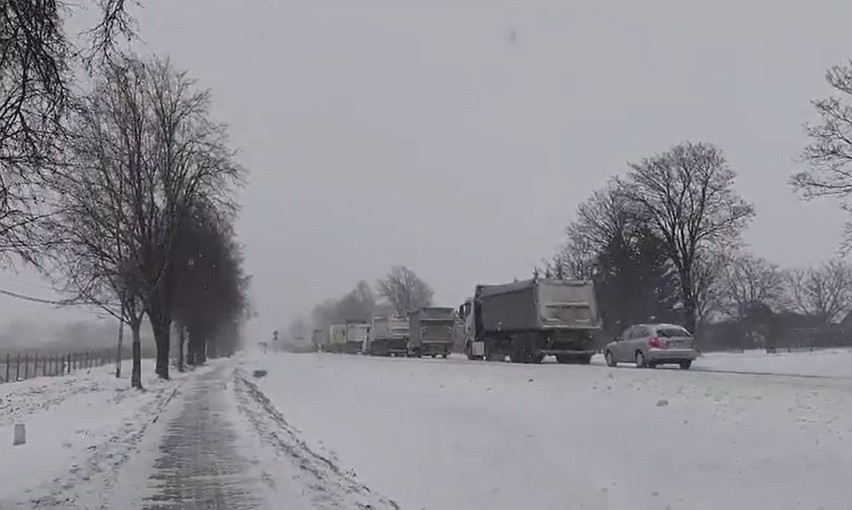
column 79, row 429
column 453, row 434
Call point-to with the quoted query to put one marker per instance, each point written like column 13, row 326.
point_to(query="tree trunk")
column 192, row 347
column 136, row 372
column 690, row 306
column 689, row 309
column 202, row 349
column 161, row 324
column 118, row 349
column 181, row 340
column 161, row 338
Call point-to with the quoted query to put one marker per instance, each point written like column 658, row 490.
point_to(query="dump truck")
column 531, row 319
column 388, row 337
column 356, row 334
column 431, row 331
column 336, row 338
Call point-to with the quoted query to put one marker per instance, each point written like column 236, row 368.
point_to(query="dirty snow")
column 454, row 434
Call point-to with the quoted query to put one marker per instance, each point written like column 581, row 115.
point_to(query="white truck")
column 528, row 320
column 356, row 334
column 431, row 331
column 388, row 337
column 336, row 338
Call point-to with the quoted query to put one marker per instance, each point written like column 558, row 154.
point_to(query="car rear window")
column 669, row 331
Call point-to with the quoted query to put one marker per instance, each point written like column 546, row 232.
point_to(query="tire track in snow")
column 774, row 374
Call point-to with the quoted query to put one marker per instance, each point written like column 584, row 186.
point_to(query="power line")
column 64, row 302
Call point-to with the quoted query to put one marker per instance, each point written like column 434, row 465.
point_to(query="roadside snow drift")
column 453, row 434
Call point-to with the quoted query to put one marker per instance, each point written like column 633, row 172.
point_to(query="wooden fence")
column 22, row 366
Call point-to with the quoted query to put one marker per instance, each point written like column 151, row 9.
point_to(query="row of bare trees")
column 144, row 206
column 399, row 292
column 122, row 191
column 663, row 241
column 650, row 238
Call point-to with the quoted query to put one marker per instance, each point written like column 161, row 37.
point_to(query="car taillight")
column 654, row 342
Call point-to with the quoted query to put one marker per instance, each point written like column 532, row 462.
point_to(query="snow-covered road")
column 455, row 434
column 339, row 432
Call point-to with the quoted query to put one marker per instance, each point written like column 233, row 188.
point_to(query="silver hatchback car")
column 649, row 345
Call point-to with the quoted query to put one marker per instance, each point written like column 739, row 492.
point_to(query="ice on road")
column 454, row 434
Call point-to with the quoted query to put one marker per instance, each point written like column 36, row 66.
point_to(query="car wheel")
column 685, row 364
column 610, row 359
column 641, row 362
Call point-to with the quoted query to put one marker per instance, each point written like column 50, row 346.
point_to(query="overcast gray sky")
column 423, row 133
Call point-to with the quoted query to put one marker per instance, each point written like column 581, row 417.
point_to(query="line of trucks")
column 523, row 321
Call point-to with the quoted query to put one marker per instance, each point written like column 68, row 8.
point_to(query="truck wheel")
column 610, row 359
column 520, row 349
column 685, row 364
column 519, row 354
column 444, row 355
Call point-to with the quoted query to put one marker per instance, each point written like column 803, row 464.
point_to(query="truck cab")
column 473, row 349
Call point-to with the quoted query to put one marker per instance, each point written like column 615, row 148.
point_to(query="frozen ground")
column 222, row 445
column 353, row 432
column 206, row 439
column 818, row 363
column 454, row 434
column 79, row 429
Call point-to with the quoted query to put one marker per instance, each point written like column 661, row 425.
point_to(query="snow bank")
column 818, row 363
column 454, row 434
column 79, row 428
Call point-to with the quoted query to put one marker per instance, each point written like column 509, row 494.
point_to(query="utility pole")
column 120, row 341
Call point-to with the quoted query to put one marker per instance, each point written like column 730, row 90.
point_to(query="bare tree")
column 829, row 152
column 99, row 252
column 144, row 135
column 572, row 260
column 824, row 291
column 608, row 244
column 405, row 290
column 35, row 76
column 686, row 197
column 708, row 285
column 746, row 282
